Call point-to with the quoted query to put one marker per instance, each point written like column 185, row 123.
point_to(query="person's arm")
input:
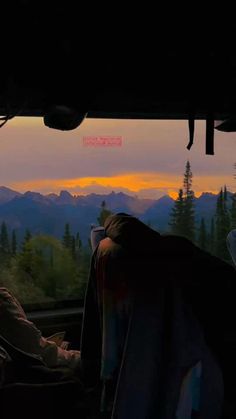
column 24, row 335
column 15, row 326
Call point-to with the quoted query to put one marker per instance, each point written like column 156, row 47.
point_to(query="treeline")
column 210, row 237
column 7, row 246
column 43, row 269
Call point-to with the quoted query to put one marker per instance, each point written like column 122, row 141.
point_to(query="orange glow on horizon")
column 133, row 182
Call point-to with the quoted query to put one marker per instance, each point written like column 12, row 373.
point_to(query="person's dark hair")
column 129, row 231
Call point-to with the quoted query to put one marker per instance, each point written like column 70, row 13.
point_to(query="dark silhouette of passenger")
column 159, row 315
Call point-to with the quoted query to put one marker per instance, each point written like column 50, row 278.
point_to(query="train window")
column 56, row 184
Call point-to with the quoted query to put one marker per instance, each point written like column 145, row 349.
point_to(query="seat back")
column 34, row 390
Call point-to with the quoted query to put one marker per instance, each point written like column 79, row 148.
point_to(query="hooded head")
column 129, row 231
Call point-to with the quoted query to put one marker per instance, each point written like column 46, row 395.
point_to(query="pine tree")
column 233, row 212
column 188, row 179
column 27, row 238
column 13, row 243
column 78, row 246
column 67, row 238
column 219, row 217
column 177, row 215
column 202, row 235
column 68, row 241
column 225, row 195
column 104, row 213
column 212, row 237
column 222, row 225
column 78, row 242
column 183, row 214
column 26, row 254
column 73, row 246
column 227, row 218
column 4, row 241
column 189, row 212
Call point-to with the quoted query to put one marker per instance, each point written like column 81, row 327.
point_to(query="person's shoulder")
column 10, row 304
column 183, row 247
column 5, row 293
column 178, row 244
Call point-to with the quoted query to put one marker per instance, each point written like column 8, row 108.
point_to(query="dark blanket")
column 162, row 270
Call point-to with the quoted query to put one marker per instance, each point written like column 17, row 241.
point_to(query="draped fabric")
column 155, row 307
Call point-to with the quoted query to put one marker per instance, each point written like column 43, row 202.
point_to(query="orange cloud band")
column 134, row 182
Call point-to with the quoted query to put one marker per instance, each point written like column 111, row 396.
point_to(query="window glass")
column 55, row 185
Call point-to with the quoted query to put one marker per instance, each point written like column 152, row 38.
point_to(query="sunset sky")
column 149, row 163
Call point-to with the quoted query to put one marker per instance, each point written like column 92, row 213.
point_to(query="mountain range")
column 48, row 214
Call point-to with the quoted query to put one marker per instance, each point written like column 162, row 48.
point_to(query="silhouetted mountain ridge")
column 7, row 194
column 47, row 214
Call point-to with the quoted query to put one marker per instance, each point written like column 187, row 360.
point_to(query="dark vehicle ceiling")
column 49, row 58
